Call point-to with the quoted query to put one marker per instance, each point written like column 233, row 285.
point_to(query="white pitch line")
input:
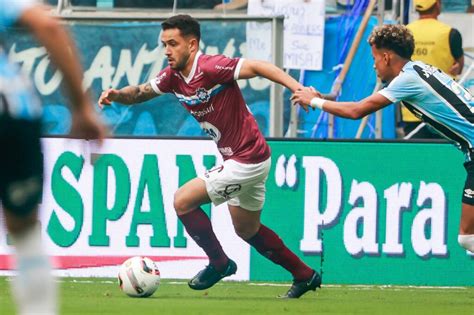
column 354, row 287
column 364, row 287
column 269, row 284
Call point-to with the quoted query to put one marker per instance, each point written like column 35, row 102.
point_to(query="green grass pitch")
column 103, row 296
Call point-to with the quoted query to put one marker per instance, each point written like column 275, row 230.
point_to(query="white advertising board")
column 96, row 212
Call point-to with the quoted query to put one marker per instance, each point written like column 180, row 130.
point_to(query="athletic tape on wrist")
column 317, row 102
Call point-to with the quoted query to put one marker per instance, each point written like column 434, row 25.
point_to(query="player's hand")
column 86, row 124
column 303, row 97
column 455, row 69
column 107, row 97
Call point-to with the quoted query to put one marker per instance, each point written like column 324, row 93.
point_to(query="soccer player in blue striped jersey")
column 430, row 94
column 21, row 162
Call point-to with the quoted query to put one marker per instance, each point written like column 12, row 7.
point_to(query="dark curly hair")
column 185, row 23
column 394, row 37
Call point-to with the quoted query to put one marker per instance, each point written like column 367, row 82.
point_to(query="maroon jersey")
column 211, row 94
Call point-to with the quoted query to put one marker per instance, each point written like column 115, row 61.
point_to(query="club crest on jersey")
column 203, row 95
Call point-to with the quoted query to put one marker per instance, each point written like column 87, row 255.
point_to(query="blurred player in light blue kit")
column 430, row 94
column 21, row 162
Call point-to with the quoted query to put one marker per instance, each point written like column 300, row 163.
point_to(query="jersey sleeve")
column 161, row 84
column 455, row 43
column 403, row 87
column 10, row 11
column 221, row 69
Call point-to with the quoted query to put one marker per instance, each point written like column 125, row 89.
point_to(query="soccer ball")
column 139, row 277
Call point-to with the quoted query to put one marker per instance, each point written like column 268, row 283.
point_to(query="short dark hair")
column 394, row 37
column 185, row 23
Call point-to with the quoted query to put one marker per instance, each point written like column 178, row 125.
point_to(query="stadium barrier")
column 126, row 52
column 380, row 212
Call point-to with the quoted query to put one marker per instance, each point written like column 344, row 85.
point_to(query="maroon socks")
column 266, row 242
column 199, row 227
column 270, row 245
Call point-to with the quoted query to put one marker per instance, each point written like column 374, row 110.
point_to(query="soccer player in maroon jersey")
column 206, row 86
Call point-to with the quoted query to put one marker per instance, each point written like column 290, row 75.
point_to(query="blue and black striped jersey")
column 438, row 100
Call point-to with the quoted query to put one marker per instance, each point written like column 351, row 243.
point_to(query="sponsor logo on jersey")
column 211, row 130
column 223, row 68
column 202, row 113
column 160, row 77
column 429, row 71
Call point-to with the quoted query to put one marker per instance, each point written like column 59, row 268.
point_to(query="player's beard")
column 179, row 66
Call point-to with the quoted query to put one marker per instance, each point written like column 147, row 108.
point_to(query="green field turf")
column 102, row 296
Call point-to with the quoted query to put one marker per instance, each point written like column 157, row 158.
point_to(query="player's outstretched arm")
column 128, row 95
column 252, row 68
column 62, row 51
column 353, row 110
column 54, row 37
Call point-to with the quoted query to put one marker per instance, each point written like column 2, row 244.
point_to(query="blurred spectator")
column 470, row 6
column 436, row 44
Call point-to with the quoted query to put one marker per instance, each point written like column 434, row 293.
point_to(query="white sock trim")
column 33, row 288
column 467, row 241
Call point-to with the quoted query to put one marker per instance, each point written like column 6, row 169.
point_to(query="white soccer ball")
column 139, row 277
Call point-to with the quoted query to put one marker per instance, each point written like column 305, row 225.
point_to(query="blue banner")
column 116, row 55
column 358, row 84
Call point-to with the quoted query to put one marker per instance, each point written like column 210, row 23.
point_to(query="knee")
column 467, row 241
column 245, row 231
column 179, row 203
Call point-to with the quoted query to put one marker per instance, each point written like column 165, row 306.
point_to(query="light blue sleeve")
column 11, row 10
column 405, row 86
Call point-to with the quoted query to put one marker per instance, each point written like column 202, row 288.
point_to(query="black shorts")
column 21, row 165
column 468, row 192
